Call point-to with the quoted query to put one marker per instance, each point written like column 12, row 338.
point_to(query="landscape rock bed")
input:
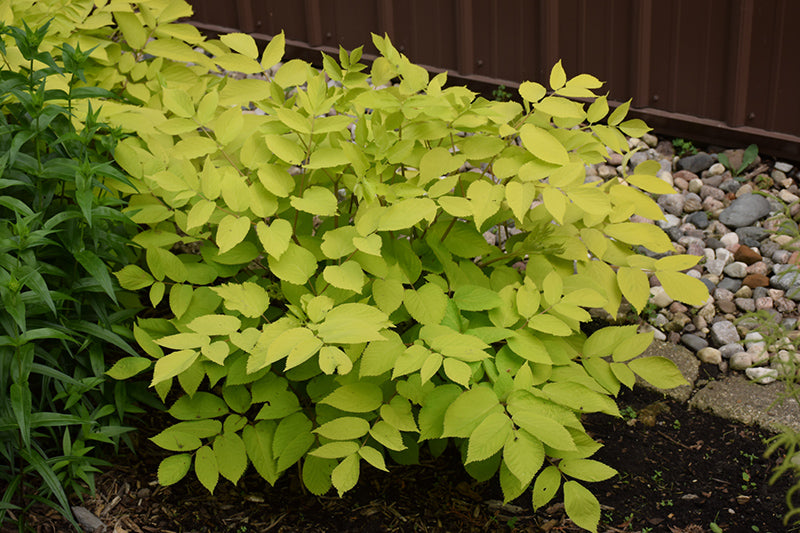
column 743, row 229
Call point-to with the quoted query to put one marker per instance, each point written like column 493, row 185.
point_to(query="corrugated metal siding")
column 717, row 71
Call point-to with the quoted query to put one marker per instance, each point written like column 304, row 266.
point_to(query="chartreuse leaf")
column 332, row 359
column 248, row 298
column 133, row 278
column 398, row 414
column 173, row 364
column 317, row 201
column 427, row 305
column 635, row 286
column 276, row 237
column 174, row 468
column 231, row 456
column 619, row 113
column 387, row 435
column 519, row 197
column 258, row 444
column 523, row 455
column 202, row 405
column 489, row 437
column 175, row 440
column 406, row 214
column 336, row 449
column 351, row 323
column 630, row 347
column 358, row 397
column 296, row 265
column 344, row 428
column 128, row 367
column 468, row 410
column 634, row 127
column 438, row 162
column 484, row 199
column 545, row 487
column 317, row 474
column 557, row 76
column 215, row 324
column 242, row 43
column 603, row 341
column 658, row 371
column 531, row 91
column 206, row 469
column 650, row 184
column 581, row 506
column 543, row 144
column 388, row 294
column 273, row 51
column 373, row 457
column 348, row 276
column 345, row 476
column 648, row 235
column 683, row 287
column 178, row 102
column 586, row 469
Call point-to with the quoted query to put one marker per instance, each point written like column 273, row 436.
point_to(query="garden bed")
column 680, row 470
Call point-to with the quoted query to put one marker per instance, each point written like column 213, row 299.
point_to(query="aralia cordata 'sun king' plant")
column 326, row 293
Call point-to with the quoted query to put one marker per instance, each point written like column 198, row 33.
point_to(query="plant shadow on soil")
column 680, row 471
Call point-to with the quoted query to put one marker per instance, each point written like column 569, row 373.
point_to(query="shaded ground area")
column 686, row 472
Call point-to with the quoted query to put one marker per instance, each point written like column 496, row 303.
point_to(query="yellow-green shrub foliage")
column 319, row 262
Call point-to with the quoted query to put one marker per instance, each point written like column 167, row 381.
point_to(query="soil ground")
column 680, row 470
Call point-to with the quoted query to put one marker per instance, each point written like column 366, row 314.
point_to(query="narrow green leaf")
column 21, row 403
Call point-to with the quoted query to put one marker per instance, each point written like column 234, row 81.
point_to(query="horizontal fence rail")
column 721, row 72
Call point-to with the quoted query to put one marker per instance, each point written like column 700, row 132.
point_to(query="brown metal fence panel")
column 716, row 71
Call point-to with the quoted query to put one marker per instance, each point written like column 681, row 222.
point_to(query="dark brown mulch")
column 687, row 471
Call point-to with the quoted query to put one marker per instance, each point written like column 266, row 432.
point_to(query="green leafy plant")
column 501, row 93
column 59, row 233
column 749, row 156
column 683, row 147
column 786, row 347
column 325, row 293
